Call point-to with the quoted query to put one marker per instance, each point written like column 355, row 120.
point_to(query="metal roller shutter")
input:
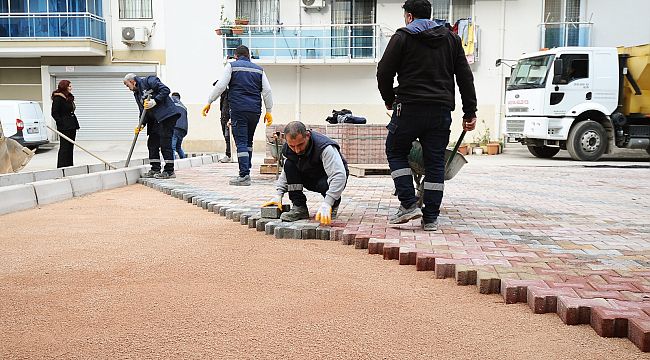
column 106, row 109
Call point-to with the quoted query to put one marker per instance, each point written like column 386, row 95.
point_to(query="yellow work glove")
column 138, row 129
column 205, row 110
column 324, row 214
column 276, row 201
column 148, row 104
column 268, row 118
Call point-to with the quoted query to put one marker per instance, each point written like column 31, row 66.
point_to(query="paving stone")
column 323, row 233
column 260, row 225
column 614, row 322
column 310, row 231
column 391, row 251
column 425, row 262
column 446, row 268
column 465, row 275
column 516, row 291
column 543, row 301
column 252, row 221
column 361, row 242
column 488, row 283
column 575, row 311
column 639, row 333
column 270, row 227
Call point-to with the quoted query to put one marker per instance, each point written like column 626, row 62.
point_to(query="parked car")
column 23, row 121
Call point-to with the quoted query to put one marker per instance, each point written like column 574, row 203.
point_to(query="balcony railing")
column 52, row 26
column 283, row 44
column 559, row 34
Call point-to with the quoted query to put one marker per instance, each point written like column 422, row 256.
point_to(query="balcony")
column 52, row 34
column 305, row 44
column 560, row 34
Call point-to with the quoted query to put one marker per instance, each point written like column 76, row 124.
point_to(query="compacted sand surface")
column 133, row 273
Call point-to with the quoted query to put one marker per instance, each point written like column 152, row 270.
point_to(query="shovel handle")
column 453, row 153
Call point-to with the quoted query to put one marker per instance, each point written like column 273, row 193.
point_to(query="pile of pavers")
column 586, row 269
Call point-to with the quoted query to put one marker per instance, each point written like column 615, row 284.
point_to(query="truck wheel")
column 587, row 141
column 544, row 152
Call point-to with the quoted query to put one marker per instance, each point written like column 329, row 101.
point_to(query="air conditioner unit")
column 312, row 4
column 132, row 35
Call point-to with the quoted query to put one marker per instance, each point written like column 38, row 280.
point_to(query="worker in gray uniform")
column 313, row 162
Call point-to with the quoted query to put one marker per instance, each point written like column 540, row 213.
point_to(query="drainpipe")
column 501, row 71
column 298, row 74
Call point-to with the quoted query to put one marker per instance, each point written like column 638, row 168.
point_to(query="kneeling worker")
column 313, row 162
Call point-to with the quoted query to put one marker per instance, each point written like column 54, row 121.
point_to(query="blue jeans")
column 243, row 130
column 177, row 141
column 430, row 124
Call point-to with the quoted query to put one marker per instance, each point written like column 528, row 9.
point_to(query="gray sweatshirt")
column 336, row 177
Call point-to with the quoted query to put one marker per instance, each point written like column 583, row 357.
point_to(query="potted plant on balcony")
column 237, row 30
column 241, row 20
column 225, row 28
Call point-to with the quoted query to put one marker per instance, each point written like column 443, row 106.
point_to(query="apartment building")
column 319, row 55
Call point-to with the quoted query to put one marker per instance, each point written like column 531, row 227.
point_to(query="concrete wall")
column 619, row 23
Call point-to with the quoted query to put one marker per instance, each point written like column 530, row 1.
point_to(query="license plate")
column 33, row 130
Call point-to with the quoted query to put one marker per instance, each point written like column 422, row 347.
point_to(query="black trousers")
column 160, row 141
column 430, row 124
column 66, row 149
column 297, row 181
column 225, row 130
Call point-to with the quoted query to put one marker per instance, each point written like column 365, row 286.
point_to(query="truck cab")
column 573, row 98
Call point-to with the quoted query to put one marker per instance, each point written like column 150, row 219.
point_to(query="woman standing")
column 66, row 121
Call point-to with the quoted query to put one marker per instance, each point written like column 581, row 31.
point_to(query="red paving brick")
column 527, row 237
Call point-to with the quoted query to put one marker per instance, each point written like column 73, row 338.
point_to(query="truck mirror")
column 497, row 63
column 558, row 70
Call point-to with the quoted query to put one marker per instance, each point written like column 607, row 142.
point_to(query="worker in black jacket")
column 426, row 56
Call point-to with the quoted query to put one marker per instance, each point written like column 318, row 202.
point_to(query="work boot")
column 165, row 175
column 150, row 174
column 225, row 159
column 404, row 215
column 430, row 226
column 296, row 213
column 241, row 181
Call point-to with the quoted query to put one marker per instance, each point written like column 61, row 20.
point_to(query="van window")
column 576, row 66
column 29, row 111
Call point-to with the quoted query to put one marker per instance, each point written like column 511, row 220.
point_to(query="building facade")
column 319, row 55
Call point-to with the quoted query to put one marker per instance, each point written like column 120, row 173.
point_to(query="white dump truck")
column 586, row 100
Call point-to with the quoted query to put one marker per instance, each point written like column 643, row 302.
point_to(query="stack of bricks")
column 360, row 144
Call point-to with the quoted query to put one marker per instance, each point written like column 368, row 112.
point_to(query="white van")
column 23, row 121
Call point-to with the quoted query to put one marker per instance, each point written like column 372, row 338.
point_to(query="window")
column 530, row 73
column 451, row 10
column 259, row 12
column 135, row 9
column 18, row 6
column 575, row 67
column 561, row 26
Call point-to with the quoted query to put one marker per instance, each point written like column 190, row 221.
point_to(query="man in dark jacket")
column 426, row 56
column 160, row 121
column 247, row 84
column 180, row 129
column 225, row 123
column 313, row 162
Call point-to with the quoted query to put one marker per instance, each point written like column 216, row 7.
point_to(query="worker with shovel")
column 152, row 96
column 426, row 56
